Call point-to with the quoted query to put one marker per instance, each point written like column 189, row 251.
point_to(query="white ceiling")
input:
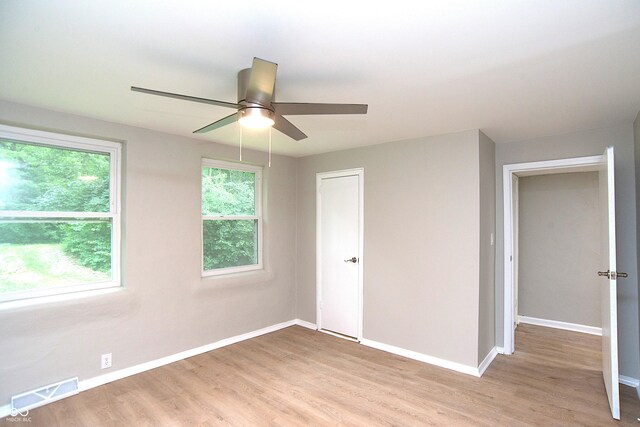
column 515, row 69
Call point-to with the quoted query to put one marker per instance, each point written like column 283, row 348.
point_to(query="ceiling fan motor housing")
column 251, row 113
column 243, row 82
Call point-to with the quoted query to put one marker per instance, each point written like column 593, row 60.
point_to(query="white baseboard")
column 89, row 383
column 487, row 361
column 5, row 410
column 113, row 376
column 628, row 381
column 454, row 366
column 631, row 382
column 305, row 324
column 561, row 325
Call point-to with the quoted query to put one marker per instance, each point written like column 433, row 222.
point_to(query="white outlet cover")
column 105, row 361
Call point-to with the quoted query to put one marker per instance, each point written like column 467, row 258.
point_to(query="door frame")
column 575, row 164
column 359, row 172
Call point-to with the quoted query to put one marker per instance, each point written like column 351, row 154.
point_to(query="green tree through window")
column 56, row 215
column 231, row 217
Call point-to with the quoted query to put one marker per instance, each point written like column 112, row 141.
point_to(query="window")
column 59, row 214
column 231, row 217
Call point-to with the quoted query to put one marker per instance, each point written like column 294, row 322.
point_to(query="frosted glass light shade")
column 256, row 118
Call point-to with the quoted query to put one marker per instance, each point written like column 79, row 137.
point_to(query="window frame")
column 57, row 140
column 257, row 170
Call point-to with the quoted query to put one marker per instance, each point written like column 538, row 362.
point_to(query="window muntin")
column 231, row 217
column 59, row 214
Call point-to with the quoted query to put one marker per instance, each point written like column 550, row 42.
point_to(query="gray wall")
column 427, row 263
column 165, row 306
column 580, row 144
column 421, row 245
column 487, row 180
column 559, row 247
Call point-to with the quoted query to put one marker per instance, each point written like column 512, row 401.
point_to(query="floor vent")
column 34, row 398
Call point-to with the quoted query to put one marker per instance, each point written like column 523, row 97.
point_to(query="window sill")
column 231, row 270
column 58, row 298
column 245, row 277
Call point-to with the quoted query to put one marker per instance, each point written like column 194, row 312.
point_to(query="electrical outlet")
column 105, row 361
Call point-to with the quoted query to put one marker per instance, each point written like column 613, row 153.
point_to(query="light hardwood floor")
column 301, row 377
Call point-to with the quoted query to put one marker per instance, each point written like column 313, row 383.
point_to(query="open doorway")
column 557, row 234
column 607, row 257
column 511, row 175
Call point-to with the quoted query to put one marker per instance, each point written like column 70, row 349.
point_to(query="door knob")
column 613, row 274
column 353, row 260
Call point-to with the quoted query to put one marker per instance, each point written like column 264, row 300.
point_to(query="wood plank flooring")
column 301, row 377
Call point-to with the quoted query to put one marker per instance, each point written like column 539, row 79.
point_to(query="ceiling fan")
column 256, row 106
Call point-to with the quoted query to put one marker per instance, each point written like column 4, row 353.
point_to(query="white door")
column 609, row 302
column 339, row 268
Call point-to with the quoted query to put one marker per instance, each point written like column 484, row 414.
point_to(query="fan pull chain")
column 240, row 126
column 270, row 146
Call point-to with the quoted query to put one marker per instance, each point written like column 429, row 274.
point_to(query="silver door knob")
column 613, row 274
column 353, row 260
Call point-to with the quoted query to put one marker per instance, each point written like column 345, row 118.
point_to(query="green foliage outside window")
column 38, row 178
column 229, row 242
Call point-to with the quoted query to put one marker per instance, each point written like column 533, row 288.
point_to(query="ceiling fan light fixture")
column 256, row 107
column 256, row 118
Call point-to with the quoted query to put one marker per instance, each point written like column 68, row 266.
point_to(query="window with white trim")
column 59, row 213
column 231, row 217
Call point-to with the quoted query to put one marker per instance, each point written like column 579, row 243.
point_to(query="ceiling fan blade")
column 185, row 97
column 301, row 108
column 286, row 127
column 215, row 125
column 261, row 82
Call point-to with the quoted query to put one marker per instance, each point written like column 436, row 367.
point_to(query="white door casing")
column 514, row 259
column 339, row 241
column 578, row 164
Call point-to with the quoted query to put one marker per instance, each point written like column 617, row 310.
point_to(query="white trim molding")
column 306, row 324
column 487, row 361
column 630, row 382
column 122, row 373
column 447, row 364
column 83, row 385
column 5, row 410
column 575, row 327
